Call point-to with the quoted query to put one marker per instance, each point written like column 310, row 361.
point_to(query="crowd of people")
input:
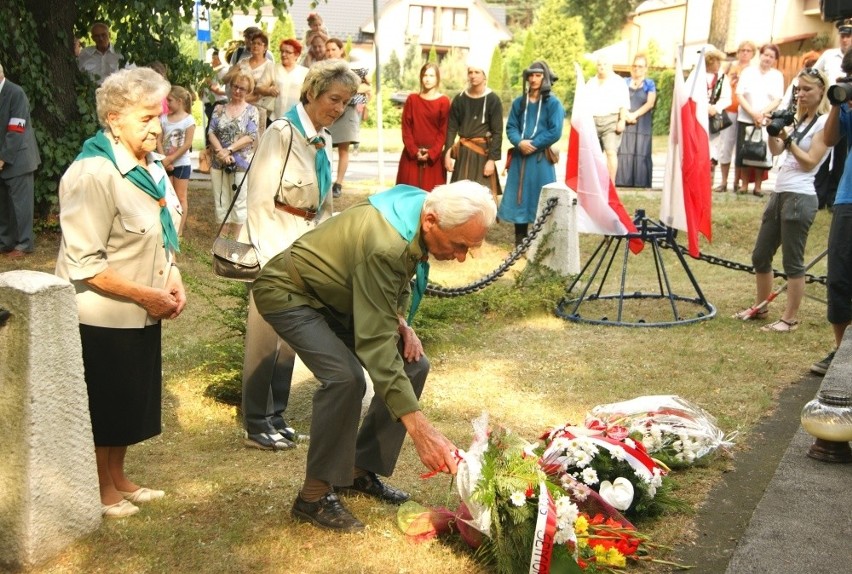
column 271, row 131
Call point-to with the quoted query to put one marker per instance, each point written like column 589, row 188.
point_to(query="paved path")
column 364, row 166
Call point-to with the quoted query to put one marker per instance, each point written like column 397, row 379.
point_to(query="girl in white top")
column 175, row 143
column 793, row 206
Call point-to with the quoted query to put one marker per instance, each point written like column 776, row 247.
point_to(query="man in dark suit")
column 19, row 158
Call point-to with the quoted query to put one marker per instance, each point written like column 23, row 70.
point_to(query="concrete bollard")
column 562, row 247
column 48, row 479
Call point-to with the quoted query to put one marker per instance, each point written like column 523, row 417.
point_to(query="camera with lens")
column 779, row 120
column 841, row 91
column 230, row 168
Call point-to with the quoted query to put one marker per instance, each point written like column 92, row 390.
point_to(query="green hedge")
column 663, row 109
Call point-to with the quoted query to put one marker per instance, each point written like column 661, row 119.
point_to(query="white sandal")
column 142, row 494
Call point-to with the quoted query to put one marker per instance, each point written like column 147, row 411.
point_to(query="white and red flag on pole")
column 600, row 210
column 686, row 202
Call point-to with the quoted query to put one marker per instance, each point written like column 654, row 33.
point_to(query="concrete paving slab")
column 803, row 523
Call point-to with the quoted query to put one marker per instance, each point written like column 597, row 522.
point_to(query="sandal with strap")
column 751, row 315
column 781, row 326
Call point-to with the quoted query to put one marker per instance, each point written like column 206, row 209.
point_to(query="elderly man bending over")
column 337, row 297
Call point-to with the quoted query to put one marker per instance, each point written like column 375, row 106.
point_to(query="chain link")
column 445, row 292
column 438, row 291
column 728, row 264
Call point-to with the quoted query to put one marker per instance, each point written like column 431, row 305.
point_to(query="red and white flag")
column 600, row 210
column 686, row 202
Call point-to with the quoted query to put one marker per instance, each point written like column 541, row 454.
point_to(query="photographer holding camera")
column 830, row 63
column 839, row 287
column 792, row 206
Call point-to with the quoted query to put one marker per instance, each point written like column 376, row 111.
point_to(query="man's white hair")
column 458, row 202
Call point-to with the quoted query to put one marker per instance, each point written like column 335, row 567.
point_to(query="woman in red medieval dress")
column 424, row 129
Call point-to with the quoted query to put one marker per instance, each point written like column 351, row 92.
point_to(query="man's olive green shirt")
column 358, row 268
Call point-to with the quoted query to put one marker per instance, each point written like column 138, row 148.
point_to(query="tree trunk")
column 55, row 21
column 719, row 19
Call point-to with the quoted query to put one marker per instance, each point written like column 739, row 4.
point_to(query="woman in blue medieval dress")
column 535, row 124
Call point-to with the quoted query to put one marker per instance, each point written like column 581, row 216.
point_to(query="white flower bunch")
column 566, row 514
column 568, row 452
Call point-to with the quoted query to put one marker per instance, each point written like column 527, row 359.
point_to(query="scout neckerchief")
column 401, row 206
column 322, row 165
column 100, row 146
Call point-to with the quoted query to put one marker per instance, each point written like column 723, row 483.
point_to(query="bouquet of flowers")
column 675, row 431
column 610, row 463
column 605, row 545
column 520, row 517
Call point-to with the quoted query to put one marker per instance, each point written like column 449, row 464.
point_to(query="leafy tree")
column 433, row 55
column 602, row 19
column 224, row 35
column 392, row 72
column 411, row 65
column 36, row 39
column 281, row 30
column 558, row 39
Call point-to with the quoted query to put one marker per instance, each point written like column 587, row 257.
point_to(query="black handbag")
column 233, row 259
column 719, row 122
column 754, row 151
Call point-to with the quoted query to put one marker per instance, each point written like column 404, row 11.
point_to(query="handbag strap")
column 240, row 186
column 717, row 89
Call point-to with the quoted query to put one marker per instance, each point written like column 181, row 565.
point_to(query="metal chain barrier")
column 438, row 291
column 713, row 260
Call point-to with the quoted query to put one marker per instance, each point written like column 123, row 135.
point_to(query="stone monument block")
column 48, row 479
column 559, row 238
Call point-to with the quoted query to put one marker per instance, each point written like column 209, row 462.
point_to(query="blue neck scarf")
column 322, row 165
column 100, row 146
column 401, row 206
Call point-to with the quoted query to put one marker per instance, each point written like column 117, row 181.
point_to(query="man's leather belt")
column 306, row 214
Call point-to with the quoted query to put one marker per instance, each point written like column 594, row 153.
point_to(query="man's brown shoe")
column 16, row 254
column 370, row 485
column 327, row 512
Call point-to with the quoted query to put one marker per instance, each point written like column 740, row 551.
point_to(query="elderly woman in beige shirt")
column 289, row 193
column 119, row 216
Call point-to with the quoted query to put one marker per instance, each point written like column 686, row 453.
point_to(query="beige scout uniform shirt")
column 358, row 267
column 271, row 230
column 109, row 222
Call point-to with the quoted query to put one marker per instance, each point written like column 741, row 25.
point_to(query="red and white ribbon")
column 545, row 531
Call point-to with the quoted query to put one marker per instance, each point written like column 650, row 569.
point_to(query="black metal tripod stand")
column 599, row 265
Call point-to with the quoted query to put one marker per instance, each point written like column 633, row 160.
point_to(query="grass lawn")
column 500, row 350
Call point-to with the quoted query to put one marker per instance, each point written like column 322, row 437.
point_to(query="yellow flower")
column 615, row 558
column 600, row 553
column 581, row 525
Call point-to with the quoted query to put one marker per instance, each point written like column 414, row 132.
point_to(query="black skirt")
column 124, row 380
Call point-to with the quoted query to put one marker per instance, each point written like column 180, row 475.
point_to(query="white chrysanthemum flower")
column 566, row 510
column 583, row 459
column 648, row 442
column 618, row 454
column 590, row 476
column 563, row 535
column 629, row 442
column 657, row 479
column 518, row 498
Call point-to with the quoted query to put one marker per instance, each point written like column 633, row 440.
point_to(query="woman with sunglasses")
column 793, row 205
